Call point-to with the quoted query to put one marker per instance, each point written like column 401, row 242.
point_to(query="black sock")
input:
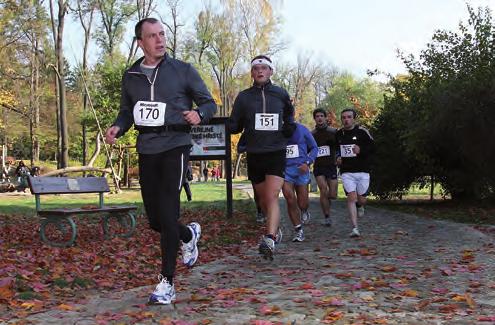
column 327, row 216
column 170, row 279
column 259, row 209
column 270, row 236
column 298, row 227
column 358, row 205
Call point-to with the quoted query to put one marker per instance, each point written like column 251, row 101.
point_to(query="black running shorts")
column 266, row 163
column 330, row 172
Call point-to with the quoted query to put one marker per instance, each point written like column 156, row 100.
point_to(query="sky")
column 352, row 35
column 357, row 35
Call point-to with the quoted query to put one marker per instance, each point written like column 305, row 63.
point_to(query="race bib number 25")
column 266, row 122
column 149, row 113
column 346, row 150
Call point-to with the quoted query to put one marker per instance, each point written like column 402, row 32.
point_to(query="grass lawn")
column 210, row 195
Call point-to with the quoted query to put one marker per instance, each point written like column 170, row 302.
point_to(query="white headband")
column 262, row 61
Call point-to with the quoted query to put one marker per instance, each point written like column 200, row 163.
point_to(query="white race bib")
column 323, row 151
column 292, row 151
column 346, row 150
column 266, row 122
column 149, row 113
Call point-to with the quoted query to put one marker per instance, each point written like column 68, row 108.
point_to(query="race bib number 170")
column 266, row 122
column 149, row 113
column 346, row 150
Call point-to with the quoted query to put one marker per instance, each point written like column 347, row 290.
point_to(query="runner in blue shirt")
column 300, row 154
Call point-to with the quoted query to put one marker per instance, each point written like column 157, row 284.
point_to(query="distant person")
column 300, row 154
column 213, row 174
column 325, row 170
column 205, row 174
column 217, row 173
column 355, row 148
column 22, row 172
column 35, row 171
column 265, row 114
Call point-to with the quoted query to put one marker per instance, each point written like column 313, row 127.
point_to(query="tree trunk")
column 64, row 154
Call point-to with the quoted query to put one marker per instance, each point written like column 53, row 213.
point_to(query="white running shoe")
column 327, row 222
column 164, row 293
column 305, row 217
column 360, row 211
column 298, row 236
column 278, row 237
column 355, row 233
column 190, row 250
column 267, row 247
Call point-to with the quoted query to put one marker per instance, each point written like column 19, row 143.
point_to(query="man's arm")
column 200, row 95
column 367, row 145
column 124, row 119
column 312, row 146
column 236, row 122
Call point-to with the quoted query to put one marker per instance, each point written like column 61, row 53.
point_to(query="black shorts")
column 330, row 172
column 266, row 163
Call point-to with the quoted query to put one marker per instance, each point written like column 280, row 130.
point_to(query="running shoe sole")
column 266, row 252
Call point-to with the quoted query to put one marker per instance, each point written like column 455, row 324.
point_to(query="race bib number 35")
column 292, row 151
column 346, row 150
column 266, row 122
column 149, row 113
column 323, row 151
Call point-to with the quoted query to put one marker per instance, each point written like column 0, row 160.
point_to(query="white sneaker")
column 360, row 211
column 190, row 250
column 305, row 216
column 278, row 237
column 355, row 233
column 327, row 222
column 267, row 247
column 298, row 236
column 164, row 293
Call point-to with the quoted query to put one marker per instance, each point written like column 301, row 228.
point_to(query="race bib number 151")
column 266, row 122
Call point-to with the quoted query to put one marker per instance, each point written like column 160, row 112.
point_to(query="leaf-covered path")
column 403, row 270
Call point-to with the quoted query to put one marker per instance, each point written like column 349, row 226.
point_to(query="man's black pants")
column 161, row 176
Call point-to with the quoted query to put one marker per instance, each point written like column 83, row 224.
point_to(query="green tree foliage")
column 365, row 95
column 445, row 116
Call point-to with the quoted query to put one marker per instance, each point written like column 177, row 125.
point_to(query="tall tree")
column 84, row 13
column 114, row 14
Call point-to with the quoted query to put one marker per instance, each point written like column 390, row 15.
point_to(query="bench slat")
column 64, row 212
column 67, row 185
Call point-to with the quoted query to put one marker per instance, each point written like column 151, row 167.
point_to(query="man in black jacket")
column 355, row 146
column 266, row 115
column 157, row 96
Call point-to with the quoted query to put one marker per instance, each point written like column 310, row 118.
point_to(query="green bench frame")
column 62, row 217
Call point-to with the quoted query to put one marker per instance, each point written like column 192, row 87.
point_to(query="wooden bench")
column 63, row 230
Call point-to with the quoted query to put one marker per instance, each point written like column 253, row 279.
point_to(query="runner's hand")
column 111, row 134
column 192, row 117
column 303, row 169
column 339, row 161
column 356, row 149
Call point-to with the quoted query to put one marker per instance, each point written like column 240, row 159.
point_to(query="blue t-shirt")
column 301, row 147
